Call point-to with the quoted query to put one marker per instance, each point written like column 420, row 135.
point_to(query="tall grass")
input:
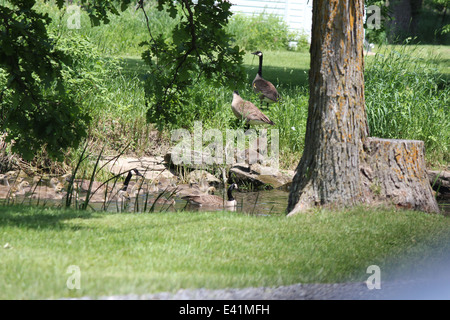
column 122, row 35
column 407, row 98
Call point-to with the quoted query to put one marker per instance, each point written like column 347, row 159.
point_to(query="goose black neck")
column 260, row 65
column 127, row 181
column 230, row 195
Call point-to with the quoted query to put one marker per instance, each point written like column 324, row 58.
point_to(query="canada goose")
column 36, row 180
column 48, row 181
column 246, row 110
column 154, row 186
column 104, row 194
column 140, row 187
column 192, row 189
column 45, row 181
column 4, row 180
column 122, row 194
column 19, row 189
column 15, row 190
column 121, row 198
column 125, row 184
column 203, row 185
column 54, row 182
column 128, row 178
column 57, row 192
column 269, row 93
column 47, row 192
column 14, row 175
column 213, row 200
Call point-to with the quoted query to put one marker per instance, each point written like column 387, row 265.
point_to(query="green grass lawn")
column 283, row 68
column 146, row 253
column 121, row 253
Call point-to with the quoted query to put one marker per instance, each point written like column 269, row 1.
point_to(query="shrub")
column 263, row 31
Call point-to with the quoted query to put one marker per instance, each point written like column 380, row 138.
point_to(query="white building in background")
column 296, row 13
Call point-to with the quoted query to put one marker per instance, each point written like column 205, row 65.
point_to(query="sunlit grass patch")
column 143, row 253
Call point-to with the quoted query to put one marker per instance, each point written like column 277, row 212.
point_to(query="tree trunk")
column 394, row 171
column 336, row 141
column 329, row 169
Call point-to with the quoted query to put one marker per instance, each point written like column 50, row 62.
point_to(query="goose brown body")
column 246, row 110
column 268, row 92
column 213, row 200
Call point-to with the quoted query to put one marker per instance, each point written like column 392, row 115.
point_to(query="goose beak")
column 138, row 173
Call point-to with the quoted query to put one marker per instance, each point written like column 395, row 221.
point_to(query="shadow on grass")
column 285, row 77
column 38, row 217
column 133, row 66
column 279, row 76
column 50, row 218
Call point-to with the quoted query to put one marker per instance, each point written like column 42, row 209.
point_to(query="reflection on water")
column 444, row 206
column 258, row 203
column 261, row 203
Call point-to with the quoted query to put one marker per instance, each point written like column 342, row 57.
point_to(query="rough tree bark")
column 395, row 171
column 338, row 158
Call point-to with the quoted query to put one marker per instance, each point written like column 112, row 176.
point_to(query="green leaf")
column 125, row 4
column 60, row 3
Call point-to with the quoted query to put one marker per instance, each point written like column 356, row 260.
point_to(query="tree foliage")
column 35, row 109
column 38, row 110
column 199, row 48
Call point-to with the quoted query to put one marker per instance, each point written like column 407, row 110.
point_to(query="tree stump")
column 395, row 171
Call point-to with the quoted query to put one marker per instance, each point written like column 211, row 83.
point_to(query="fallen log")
column 440, row 182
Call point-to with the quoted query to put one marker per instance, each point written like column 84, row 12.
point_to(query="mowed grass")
column 146, row 253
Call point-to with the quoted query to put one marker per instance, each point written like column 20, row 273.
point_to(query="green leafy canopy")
column 199, row 48
column 37, row 109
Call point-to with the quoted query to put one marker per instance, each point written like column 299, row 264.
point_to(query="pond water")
column 259, row 203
